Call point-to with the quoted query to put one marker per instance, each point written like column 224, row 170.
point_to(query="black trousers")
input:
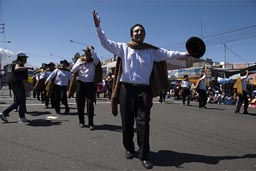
column 20, row 99
column 135, row 104
column 186, row 93
column 85, row 90
column 49, row 99
column 242, row 98
column 202, row 98
column 60, row 96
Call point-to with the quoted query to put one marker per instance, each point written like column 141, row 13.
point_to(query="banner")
column 179, row 73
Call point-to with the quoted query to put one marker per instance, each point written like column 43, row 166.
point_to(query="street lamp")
column 72, row 41
column 56, row 56
column 5, row 41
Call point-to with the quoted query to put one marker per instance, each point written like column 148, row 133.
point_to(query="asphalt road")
column 181, row 138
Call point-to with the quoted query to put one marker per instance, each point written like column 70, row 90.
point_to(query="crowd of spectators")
column 217, row 94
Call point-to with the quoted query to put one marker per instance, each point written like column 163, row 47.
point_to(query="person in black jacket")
column 21, row 74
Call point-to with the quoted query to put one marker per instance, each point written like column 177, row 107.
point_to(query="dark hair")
column 185, row 76
column 88, row 52
column 64, row 62
column 19, row 58
column 131, row 29
column 242, row 72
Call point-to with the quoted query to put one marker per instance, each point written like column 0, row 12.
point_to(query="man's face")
column 138, row 34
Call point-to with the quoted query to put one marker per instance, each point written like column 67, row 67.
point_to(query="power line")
column 232, row 51
column 231, row 31
column 226, row 36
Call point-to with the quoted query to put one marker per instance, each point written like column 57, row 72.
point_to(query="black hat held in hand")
column 195, row 47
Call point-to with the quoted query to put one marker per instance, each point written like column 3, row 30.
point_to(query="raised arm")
column 96, row 18
column 112, row 46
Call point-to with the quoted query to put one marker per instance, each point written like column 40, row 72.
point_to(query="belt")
column 135, row 85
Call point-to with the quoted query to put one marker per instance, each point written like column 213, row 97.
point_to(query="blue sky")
column 44, row 27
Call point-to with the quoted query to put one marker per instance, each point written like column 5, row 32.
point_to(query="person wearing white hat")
column 21, row 73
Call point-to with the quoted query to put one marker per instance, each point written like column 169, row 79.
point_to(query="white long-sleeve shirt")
column 86, row 72
column 137, row 65
column 62, row 77
column 202, row 85
column 45, row 74
column 185, row 84
column 243, row 80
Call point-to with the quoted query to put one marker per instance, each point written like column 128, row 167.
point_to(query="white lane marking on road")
column 51, row 117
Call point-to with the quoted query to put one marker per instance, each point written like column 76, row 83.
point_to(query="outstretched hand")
column 96, row 18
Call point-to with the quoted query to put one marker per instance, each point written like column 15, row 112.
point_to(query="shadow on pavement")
column 70, row 113
column 176, row 159
column 214, row 108
column 210, row 108
column 38, row 113
column 251, row 114
column 43, row 122
column 109, row 127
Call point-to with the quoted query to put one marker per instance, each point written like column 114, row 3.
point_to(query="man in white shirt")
column 137, row 59
column 61, row 77
column 186, row 93
column 202, row 91
column 85, row 68
column 243, row 97
column 44, row 76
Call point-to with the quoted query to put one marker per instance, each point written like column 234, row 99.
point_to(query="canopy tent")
column 232, row 78
column 226, row 73
column 6, row 56
column 225, row 80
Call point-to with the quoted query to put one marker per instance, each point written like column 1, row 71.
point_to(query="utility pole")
column 225, row 53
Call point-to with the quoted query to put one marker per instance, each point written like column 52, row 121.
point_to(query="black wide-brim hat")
column 64, row 62
column 195, row 47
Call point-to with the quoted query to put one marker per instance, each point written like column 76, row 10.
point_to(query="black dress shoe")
column 147, row 164
column 82, row 125
column 91, row 127
column 66, row 111
column 245, row 112
column 129, row 155
column 3, row 117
